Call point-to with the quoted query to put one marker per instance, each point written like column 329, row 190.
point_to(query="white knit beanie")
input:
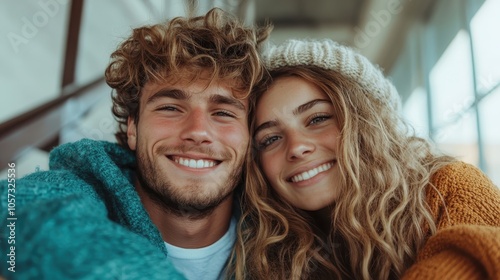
column 330, row 55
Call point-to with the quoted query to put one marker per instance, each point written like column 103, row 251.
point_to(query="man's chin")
column 201, row 209
column 196, row 207
column 185, row 192
column 191, row 199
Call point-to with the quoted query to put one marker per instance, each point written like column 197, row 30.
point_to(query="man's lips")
column 310, row 173
column 194, row 163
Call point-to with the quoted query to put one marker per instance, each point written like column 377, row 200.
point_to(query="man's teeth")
column 194, row 163
column 306, row 175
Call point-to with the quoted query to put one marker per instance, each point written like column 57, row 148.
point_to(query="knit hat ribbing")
column 330, row 55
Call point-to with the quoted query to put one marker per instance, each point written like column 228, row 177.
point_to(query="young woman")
column 338, row 187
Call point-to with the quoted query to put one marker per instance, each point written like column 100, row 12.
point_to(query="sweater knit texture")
column 83, row 219
column 466, row 207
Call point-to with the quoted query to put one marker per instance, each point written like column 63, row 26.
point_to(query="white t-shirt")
column 204, row 263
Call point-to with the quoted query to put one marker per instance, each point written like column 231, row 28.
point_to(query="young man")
column 163, row 196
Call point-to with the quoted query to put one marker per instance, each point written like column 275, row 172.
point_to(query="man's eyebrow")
column 306, row 106
column 221, row 99
column 170, row 93
column 266, row 125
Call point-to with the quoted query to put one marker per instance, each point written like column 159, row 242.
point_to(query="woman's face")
column 297, row 136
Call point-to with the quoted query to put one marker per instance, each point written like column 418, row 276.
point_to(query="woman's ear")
column 131, row 133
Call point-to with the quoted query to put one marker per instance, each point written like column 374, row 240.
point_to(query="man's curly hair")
column 216, row 43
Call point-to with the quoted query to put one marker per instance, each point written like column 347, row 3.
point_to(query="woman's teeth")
column 306, row 175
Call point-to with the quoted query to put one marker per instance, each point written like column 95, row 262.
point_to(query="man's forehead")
column 214, row 92
column 199, row 86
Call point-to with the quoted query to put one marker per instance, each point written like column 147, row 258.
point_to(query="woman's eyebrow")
column 268, row 124
column 306, row 106
column 299, row 110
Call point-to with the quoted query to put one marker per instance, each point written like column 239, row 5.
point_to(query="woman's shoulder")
column 457, row 175
column 460, row 193
column 466, row 207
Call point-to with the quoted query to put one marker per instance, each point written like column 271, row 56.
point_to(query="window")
column 489, row 109
column 486, row 45
column 452, row 95
column 415, row 112
column 458, row 100
column 486, row 62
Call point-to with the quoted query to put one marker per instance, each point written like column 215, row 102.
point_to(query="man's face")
column 190, row 141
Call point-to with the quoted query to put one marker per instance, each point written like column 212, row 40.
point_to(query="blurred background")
column 442, row 55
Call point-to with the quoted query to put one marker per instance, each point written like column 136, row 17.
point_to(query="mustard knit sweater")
column 467, row 214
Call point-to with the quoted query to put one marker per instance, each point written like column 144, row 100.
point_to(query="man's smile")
column 194, row 163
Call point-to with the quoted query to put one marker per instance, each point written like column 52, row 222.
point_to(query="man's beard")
column 173, row 199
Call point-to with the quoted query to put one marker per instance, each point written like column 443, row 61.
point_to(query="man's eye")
column 167, row 108
column 224, row 113
column 268, row 141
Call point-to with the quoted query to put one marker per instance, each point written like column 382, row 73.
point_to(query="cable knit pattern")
column 467, row 212
column 330, row 55
column 83, row 219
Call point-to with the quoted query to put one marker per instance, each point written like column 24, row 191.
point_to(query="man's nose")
column 196, row 128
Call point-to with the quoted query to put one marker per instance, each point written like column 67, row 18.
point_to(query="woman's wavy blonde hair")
column 381, row 217
column 217, row 43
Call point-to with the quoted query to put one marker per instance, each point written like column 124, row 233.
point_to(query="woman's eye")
column 319, row 119
column 268, row 141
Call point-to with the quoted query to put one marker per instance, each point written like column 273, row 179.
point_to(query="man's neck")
column 184, row 231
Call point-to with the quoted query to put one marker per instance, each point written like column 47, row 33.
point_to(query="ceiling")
column 376, row 28
column 37, row 53
column 309, row 13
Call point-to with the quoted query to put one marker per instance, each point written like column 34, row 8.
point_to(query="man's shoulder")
column 43, row 186
column 87, row 151
column 95, row 162
column 82, row 167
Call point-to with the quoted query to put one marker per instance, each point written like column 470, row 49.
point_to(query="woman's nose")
column 299, row 146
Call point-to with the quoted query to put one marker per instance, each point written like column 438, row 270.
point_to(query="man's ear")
column 131, row 133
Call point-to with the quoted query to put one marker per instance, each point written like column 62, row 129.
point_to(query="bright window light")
column 453, row 90
column 415, row 112
column 487, row 45
column 452, row 93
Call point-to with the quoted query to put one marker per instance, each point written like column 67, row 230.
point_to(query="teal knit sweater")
column 82, row 219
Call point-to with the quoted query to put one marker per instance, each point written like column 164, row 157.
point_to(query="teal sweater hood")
column 82, row 219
